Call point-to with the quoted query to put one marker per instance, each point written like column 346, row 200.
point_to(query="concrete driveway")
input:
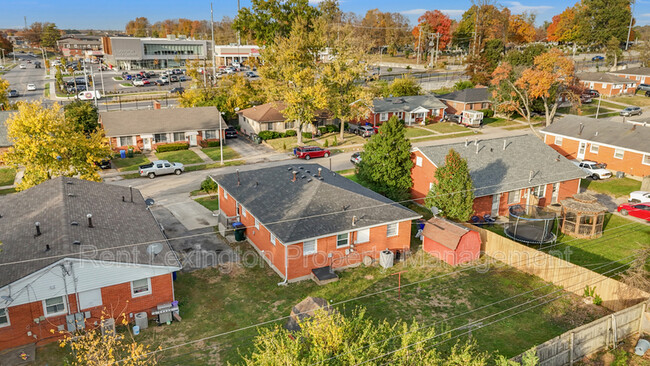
column 191, row 214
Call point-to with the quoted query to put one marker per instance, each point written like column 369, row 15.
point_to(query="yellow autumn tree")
column 4, row 97
column 45, row 146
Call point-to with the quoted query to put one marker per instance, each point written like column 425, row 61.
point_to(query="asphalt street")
column 19, row 78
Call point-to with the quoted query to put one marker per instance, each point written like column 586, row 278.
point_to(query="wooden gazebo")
column 582, row 216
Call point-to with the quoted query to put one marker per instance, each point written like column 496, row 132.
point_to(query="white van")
column 89, row 95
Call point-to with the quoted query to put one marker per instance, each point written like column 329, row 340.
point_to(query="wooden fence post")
column 609, row 332
column 571, row 339
column 641, row 316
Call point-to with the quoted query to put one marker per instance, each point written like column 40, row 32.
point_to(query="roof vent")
column 307, row 171
column 70, row 194
column 74, row 223
column 90, row 220
column 290, row 168
column 38, row 228
column 320, row 178
column 76, row 242
column 308, row 179
column 47, row 247
column 301, row 168
column 302, row 177
column 69, row 182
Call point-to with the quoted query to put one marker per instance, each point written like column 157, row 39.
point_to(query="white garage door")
column 90, row 299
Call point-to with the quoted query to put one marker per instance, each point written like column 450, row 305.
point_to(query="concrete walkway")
column 202, row 155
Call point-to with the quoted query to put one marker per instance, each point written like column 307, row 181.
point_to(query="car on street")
column 639, row 196
column 104, row 164
column 596, row 171
column 23, row 66
column 179, row 90
column 597, row 58
column 631, row 111
column 647, row 94
column 159, row 82
column 13, row 93
column 31, row 87
column 640, row 210
column 127, row 77
column 593, row 93
column 355, row 158
column 231, row 132
column 160, row 167
column 165, row 79
column 308, row 152
column 645, row 87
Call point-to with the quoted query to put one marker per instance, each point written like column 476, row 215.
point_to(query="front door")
column 556, row 192
column 495, row 205
column 581, row 150
column 147, row 143
column 192, row 140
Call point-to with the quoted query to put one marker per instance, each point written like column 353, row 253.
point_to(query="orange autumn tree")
column 522, row 28
column 433, row 22
column 565, row 27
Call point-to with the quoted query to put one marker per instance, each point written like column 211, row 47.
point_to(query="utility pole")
column 629, row 30
column 101, row 76
column 437, row 44
column 25, row 17
column 419, row 37
column 214, row 58
column 475, row 29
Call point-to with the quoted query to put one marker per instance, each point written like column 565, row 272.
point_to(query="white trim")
column 367, row 236
column 148, row 292
column 337, row 241
column 643, row 159
column 425, row 155
column 595, row 142
column 257, row 223
column 556, row 142
column 65, row 306
column 616, row 151
column 273, row 238
column 6, row 310
column 591, row 148
column 418, row 161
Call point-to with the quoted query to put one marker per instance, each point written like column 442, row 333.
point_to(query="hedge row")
column 211, row 143
column 270, row 135
column 173, row 147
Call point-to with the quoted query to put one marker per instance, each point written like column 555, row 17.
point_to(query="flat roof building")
column 127, row 53
column 227, row 54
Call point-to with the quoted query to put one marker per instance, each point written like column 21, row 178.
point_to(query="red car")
column 308, row 152
column 640, row 210
column 146, row 81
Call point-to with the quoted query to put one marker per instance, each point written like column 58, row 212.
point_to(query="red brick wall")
column 454, row 107
column 421, row 177
column 116, row 300
column 640, row 80
column 632, row 162
column 373, row 118
column 606, row 89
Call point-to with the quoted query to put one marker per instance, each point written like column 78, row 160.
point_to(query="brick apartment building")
column 607, row 85
column 412, row 110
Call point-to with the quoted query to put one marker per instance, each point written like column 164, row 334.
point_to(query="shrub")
column 173, row 147
column 322, row 130
column 209, row 143
column 214, row 143
column 284, row 146
column 269, row 135
column 290, row 133
column 389, row 69
column 408, row 67
column 327, row 143
column 208, row 185
column 336, row 142
column 306, row 135
column 487, row 113
column 332, row 128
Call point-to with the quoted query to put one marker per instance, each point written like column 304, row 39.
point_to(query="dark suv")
column 308, row 152
column 231, row 132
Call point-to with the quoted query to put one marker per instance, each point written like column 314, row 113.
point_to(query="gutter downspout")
column 286, row 267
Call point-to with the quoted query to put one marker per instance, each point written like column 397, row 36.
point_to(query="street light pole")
column 629, row 30
column 101, row 76
column 214, row 59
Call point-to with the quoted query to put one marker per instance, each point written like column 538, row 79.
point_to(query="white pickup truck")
column 161, row 167
column 595, row 170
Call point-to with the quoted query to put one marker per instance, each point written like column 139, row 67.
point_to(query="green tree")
column 386, row 161
column 47, row 146
column 525, row 57
column 404, row 86
column 453, row 190
column 333, row 339
column 605, row 19
column 50, row 35
column 268, row 20
column 529, row 358
column 613, row 51
column 82, row 114
column 481, row 65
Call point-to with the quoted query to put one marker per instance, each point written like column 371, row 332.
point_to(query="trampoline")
column 530, row 224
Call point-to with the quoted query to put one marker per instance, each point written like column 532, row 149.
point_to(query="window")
column 272, row 239
column 4, row 318
column 269, row 126
column 342, row 240
column 54, row 306
column 309, row 247
column 514, row 196
column 288, row 125
column 594, row 148
column 430, row 185
column 418, row 160
column 179, row 136
column 646, row 159
column 210, row 134
column 257, row 224
column 539, row 191
column 619, row 153
column 558, row 140
column 392, row 229
column 383, row 117
column 486, row 105
column 160, row 137
column 363, row 236
column 126, row 140
column 140, row 287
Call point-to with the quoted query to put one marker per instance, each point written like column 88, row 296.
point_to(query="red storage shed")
column 451, row 242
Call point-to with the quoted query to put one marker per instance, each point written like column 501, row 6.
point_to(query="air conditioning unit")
column 108, row 326
column 141, row 320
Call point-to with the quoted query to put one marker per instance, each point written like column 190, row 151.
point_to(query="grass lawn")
column 7, row 176
column 130, row 164
column 604, row 103
column 416, row 132
column 46, row 90
column 288, row 143
column 446, row 127
column 7, row 191
column 586, row 109
column 607, row 115
column 180, row 156
column 521, row 127
column 349, row 139
column 499, row 122
column 637, row 100
column 215, row 153
column 118, row 78
column 211, row 203
column 616, row 187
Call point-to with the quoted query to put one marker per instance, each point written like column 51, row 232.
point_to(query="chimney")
column 294, row 175
column 38, row 228
column 319, row 170
column 238, row 181
column 131, row 192
column 90, row 220
column 156, row 104
column 505, row 142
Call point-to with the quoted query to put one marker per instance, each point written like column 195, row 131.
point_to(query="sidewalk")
column 202, row 155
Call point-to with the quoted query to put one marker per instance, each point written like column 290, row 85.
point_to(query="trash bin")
column 240, row 231
column 123, row 154
column 620, row 174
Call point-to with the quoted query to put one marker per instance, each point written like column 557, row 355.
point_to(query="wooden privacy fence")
column 573, row 278
column 577, row 343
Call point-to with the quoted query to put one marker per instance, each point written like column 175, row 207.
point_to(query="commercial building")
column 227, row 54
column 81, row 46
column 129, row 53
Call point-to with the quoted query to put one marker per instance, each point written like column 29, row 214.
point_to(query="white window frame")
column 594, row 148
column 430, row 185
column 156, row 140
column 225, row 194
column 367, row 240
column 65, row 307
column 272, row 239
column 182, row 134
column 512, row 194
column 347, row 240
column 213, row 132
column 257, row 224
column 148, row 292
column 617, row 151
column 558, row 140
column 6, row 315
column 126, row 137
column 539, row 191
column 645, row 160
column 418, row 161
column 310, row 242
column 383, row 117
column 396, row 225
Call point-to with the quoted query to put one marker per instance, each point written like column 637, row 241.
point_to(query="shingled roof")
column 495, row 169
column 601, row 77
column 268, row 112
column 444, row 232
column 309, row 207
column 633, row 71
column 4, row 138
column 603, row 131
column 60, row 206
column 471, row 95
column 150, row 121
column 407, row 103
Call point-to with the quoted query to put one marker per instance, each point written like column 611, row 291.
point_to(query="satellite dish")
column 154, row 248
column 435, row 211
column 149, row 201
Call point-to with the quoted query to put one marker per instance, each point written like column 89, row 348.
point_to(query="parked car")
column 250, row 74
column 308, row 152
column 160, row 167
column 182, row 78
column 159, row 82
column 645, row 87
column 104, row 164
column 639, row 196
column 366, row 131
column 127, row 76
column 595, row 170
column 597, row 58
column 647, row 94
column 593, row 93
column 453, row 118
column 631, row 111
column 13, row 93
column 23, row 66
column 31, row 87
column 355, row 158
column 585, row 98
column 640, row 210
column 137, row 82
column 231, row 132
column 89, row 95
column 150, row 74
column 145, row 81
column 179, row 90
column 173, row 78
